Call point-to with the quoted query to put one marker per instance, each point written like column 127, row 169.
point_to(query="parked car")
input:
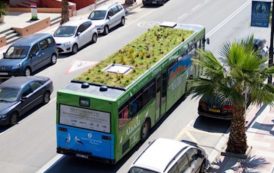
column 73, row 35
column 108, row 16
column 28, row 54
column 166, row 155
column 153, row 2
column 20, row 94
column 214, row 107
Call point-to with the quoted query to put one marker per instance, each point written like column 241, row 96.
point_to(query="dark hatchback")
column 19, row 95
column 213, row 107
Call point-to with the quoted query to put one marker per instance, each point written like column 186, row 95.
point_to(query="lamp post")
column 270, row 60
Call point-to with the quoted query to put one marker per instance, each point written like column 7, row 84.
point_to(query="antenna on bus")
column 85, row 85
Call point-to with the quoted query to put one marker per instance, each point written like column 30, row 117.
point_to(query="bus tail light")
column 63, row 129
column 106, row 137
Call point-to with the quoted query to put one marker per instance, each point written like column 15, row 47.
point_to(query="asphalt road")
column 30, row 145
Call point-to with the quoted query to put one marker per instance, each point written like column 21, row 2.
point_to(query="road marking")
column 226, row 20
column 197, row 7
column 77, row 65
column 51, row 163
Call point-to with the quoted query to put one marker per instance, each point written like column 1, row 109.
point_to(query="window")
column 119, row 7
column 87, row 24
column 137, row 103
column 50, row 41
column 182, row 163
column 26, row 91
column 110, row 12
column 81, row 28
column 35, row 84
column 34, row 50
column 192, row 154
column 43, row 44
column 115, row 9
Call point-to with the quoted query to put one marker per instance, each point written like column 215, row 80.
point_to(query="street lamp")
column 270, row 60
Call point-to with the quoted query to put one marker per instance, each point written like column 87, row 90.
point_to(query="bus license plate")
column 82, row 156
column 214, row 110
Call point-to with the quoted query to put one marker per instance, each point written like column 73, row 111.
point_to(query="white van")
column 170, row 156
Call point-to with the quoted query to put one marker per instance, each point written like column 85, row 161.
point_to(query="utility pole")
column 270, row 60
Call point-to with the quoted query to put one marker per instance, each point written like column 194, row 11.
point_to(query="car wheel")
column 123, row 21
column 94, row 38
column 27, row 71
column 46, row 97
column 74, row 49
column 13, row 118
column 106, row 30
column 53, row 59
column 145, row 130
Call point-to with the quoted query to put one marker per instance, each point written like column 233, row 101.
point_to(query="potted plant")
column 3, row 10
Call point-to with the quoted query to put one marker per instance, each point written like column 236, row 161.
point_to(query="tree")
column 65, row 11
column 241, row 78
column 3, row 8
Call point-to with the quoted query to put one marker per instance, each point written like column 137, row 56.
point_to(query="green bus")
column 107, row 110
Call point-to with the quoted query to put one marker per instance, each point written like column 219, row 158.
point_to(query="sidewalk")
column 260, row 137
column 16, row 19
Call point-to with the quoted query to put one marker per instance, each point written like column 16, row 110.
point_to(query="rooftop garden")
column 139, row 54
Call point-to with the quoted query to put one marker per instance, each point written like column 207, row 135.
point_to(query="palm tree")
column 65, row 11
column 241, row 77
column 3, row 9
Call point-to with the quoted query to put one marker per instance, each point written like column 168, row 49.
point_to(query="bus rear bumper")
column 84, row 155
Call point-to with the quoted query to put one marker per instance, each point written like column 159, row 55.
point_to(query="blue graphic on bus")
column 180, row 66
column 97, row 144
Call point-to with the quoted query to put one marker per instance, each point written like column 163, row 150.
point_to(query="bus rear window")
column 85, row 118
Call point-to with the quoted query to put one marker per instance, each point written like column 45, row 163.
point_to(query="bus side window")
column 123, row 116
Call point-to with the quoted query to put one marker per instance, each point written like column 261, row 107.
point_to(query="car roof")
column 20, row 81
column 31, row 39
column 107, row 6
column 75, row 22
column 168, row 149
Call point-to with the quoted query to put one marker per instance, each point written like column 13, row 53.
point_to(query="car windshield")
column 97, row 15
column 9, row 94
column 17, row 52
column 65, row 31
column 140, row 170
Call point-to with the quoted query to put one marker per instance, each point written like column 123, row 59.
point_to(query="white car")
column 108, row 16
column 73, row 35
column 167, row 155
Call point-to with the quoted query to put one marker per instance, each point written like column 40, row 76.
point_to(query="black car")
column 21, row 94
column 214, row 107
column 153, row 2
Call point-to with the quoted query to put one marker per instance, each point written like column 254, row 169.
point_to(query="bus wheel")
column 145, row 130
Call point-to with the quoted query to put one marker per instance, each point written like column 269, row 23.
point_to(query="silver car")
column 108, row 16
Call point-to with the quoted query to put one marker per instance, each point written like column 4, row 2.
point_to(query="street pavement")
column 260, row 125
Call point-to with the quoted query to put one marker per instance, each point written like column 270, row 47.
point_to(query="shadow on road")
column 211, row 125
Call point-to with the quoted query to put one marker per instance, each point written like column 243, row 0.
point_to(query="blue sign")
column 260, row 13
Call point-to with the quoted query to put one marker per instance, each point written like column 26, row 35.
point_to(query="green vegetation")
column 242, row 75
column 140, row 54
column 3, row 8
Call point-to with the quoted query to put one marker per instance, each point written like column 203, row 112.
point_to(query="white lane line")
column 197, row 7
column 51, row 163
column 226, row 20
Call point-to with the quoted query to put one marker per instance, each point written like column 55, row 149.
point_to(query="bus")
column 108, row 109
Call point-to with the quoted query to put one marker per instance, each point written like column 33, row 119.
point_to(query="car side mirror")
column 4, row 54
column 108, row 17
column 23, row 98
column 78, row 33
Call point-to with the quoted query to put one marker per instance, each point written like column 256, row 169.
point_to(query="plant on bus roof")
column 140, row 54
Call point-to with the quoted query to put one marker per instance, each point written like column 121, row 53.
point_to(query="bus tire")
column 145, row 131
